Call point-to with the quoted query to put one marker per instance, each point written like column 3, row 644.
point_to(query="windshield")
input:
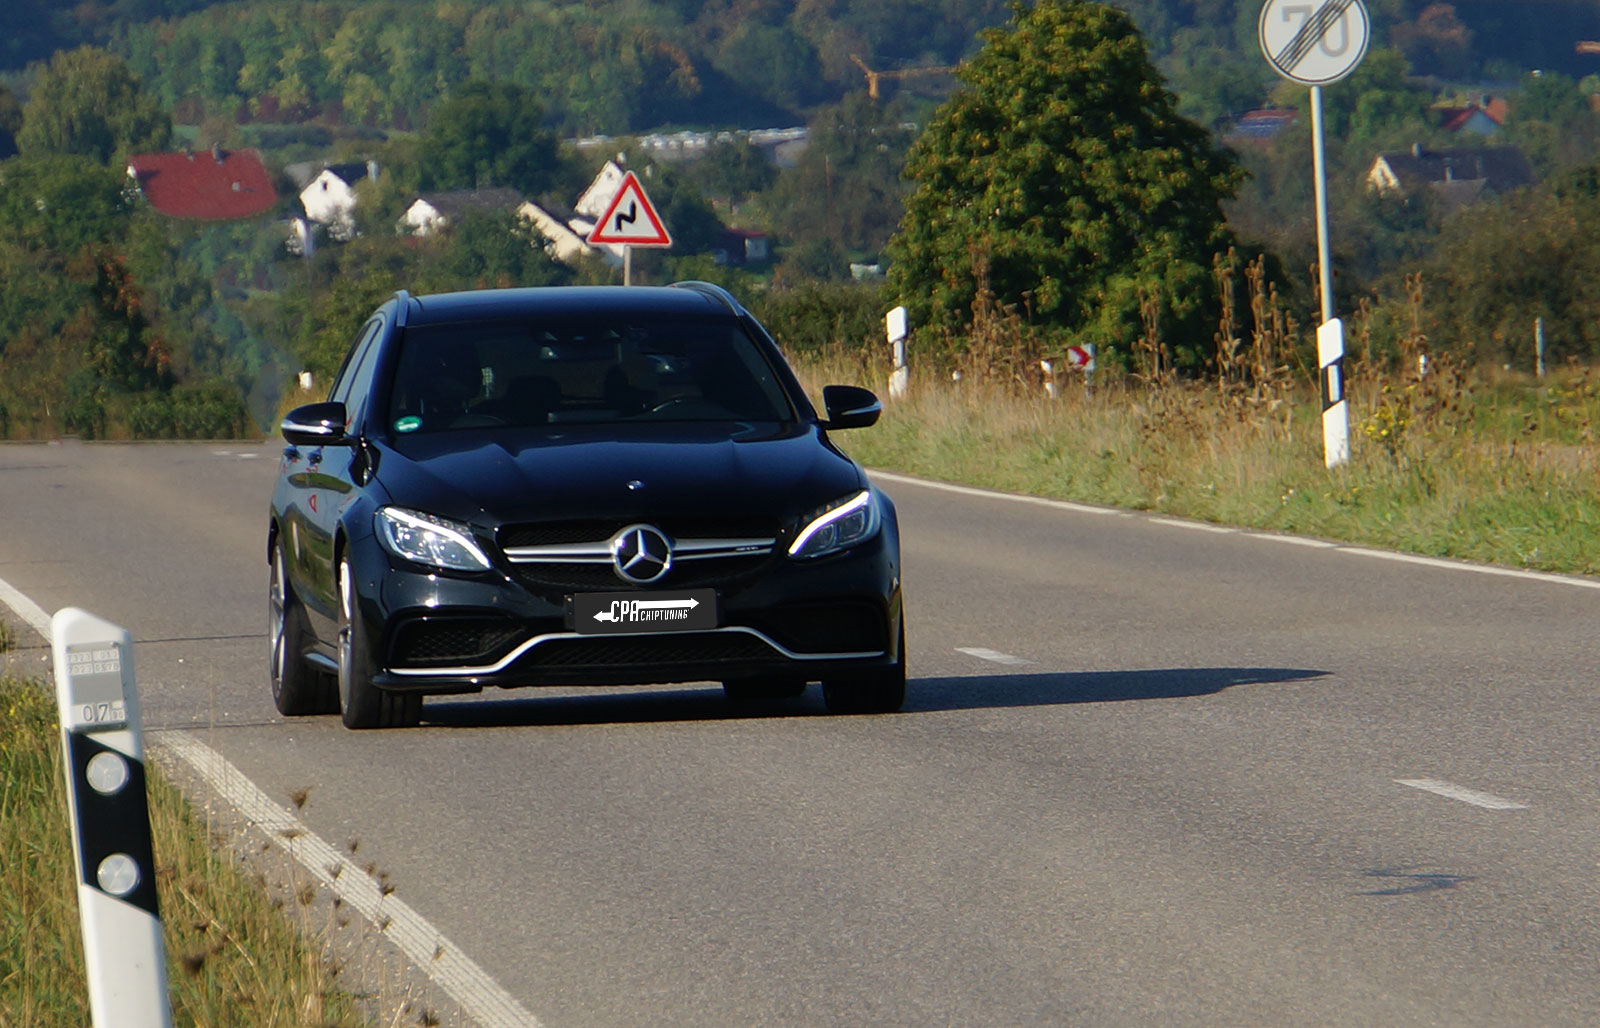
column 590, row 369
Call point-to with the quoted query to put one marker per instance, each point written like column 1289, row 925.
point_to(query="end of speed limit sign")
column 1314, row 42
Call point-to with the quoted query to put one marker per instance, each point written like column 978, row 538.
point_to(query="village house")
column 1455, row 177
column 221, row 185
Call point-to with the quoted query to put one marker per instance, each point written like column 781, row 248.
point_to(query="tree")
column 1062, row 179
column 489, row 134
column 87, row 102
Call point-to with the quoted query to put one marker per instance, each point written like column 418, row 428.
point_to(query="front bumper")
column 799, row 620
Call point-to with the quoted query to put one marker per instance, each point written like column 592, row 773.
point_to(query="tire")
column 362, row 704
column 298, row 689
column 756, row 690
column 881, row 691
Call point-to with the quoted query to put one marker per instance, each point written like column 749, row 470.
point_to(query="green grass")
column 235, row 957
column 1499, row 471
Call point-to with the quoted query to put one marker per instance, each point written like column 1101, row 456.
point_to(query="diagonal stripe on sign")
column 1311, row 33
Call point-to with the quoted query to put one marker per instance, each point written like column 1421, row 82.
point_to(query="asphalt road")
column 1148, row 774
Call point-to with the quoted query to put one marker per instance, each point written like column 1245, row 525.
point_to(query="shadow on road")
column 923, row 695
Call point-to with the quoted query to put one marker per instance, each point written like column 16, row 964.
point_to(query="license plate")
column 692, row 610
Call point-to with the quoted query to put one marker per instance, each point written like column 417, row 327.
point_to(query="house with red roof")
column 217, row 186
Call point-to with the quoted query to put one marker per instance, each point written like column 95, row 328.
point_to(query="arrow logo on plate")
column 630, row 609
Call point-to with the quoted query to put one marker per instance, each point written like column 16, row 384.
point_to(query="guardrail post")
column 103, row 753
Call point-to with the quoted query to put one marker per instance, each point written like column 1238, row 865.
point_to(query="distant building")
column 217, row 186
column 742, row 246
column 1484, row 117
column 565, row 234
column 1456, row 177
column 328, row 194
column 432, row 212
column 1260, row 128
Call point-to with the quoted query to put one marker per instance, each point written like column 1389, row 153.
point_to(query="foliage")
column 1063, row 178
column 813, row 318
column 88, row 102
column 846, row 188
column 488, row 134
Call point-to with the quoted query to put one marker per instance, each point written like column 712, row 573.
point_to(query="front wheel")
column 297, row 688
column 880, row 691
column 362, row 704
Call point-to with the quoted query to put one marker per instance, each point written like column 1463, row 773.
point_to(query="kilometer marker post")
column 103, row 754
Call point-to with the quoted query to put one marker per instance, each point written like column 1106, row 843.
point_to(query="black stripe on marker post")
column 1332, row 384
column 118, row 823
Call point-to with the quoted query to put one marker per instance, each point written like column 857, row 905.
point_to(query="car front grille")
column 826, row 627
column 575, row 556
column 649, row 651
column 451, row 641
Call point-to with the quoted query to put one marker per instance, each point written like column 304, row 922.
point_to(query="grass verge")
column 234, row 958
column 1492, row 470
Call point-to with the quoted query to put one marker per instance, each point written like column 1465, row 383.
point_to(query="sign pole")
column 1320, row 188
column 627, row 264
column 1315, row 43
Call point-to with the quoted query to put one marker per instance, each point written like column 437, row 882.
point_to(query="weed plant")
column 234, row 959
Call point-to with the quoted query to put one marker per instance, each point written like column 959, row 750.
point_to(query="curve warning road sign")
column 631, row 219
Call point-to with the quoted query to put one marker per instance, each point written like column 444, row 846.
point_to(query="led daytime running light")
column 392, row 517
column 860, row 500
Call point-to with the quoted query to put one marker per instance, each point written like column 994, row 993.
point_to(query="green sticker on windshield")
column 408, row 424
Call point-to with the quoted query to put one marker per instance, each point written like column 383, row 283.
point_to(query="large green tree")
column 1062, row 176
column 87, row 102
column 489, row 134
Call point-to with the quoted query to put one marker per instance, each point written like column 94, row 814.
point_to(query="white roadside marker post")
column 895, row 327
column 103, row 753
column 1335, row 407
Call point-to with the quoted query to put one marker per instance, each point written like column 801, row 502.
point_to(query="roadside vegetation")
column 234, row 958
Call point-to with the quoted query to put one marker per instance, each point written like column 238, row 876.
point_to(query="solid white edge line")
column 1548, row 577
column 435, row 955
column 967, row 490
column 1488, row 801
column 467, row 984
column 26, row 609
column 1199, row 526
column 993, row 656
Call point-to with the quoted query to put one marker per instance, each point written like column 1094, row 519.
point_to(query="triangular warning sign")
column 630, row 220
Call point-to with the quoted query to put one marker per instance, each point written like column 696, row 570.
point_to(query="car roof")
column 493, row 304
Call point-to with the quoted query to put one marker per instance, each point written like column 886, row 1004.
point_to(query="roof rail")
column 402, row 305
column 714, row 291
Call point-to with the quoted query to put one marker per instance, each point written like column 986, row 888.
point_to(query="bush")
column 814, row 317
column 201, row 410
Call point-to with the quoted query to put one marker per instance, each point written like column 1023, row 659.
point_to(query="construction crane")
column 875, row 77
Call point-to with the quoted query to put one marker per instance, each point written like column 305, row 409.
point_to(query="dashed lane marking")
column 993, row 656
column 1488, row 801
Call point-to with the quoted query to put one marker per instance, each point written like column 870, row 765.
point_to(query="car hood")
column 503, row 476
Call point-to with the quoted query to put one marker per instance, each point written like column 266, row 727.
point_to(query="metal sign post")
column 103, row 753
column 1315, row 43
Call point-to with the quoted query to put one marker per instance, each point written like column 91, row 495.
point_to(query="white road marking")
column 1547, row 577
column 25, row 608
column 436, row 956
column 967, row 490
column 1298, row 540
column 1465, row 795
column 1202, row 526
column 993, row 656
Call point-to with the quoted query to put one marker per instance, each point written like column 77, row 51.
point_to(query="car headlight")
column 426, row 539
column 838, row 526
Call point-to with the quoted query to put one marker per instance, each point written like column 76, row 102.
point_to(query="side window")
column 356, row 380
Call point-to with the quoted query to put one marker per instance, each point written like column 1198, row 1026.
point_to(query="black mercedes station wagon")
column 576, row 486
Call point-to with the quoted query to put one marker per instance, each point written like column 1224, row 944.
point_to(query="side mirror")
column 316, row 424
column 850, row 406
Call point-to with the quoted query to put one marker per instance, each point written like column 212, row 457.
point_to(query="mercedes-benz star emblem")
column 641, row 554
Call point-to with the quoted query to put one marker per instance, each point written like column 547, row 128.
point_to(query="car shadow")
column 923, row 696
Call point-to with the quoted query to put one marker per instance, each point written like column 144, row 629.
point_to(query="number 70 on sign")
column 1314, row 42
